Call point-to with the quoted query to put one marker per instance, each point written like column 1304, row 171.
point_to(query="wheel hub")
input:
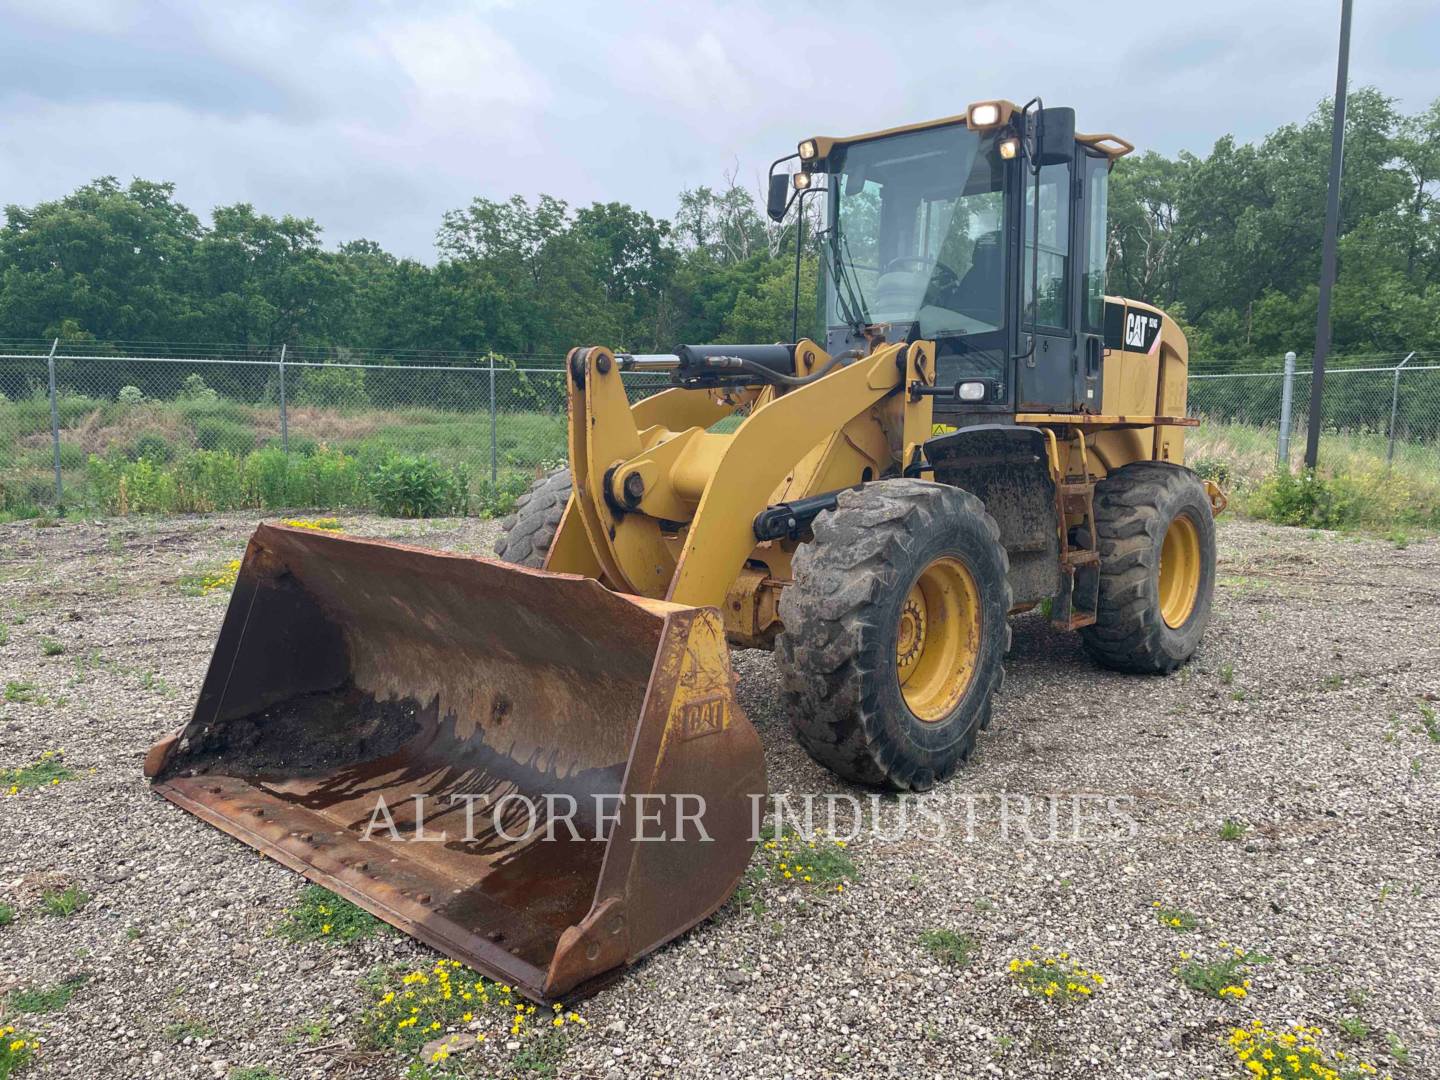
column 937, row 639
column 1179, row 572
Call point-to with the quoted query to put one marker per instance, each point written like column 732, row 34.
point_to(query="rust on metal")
column 353, row 673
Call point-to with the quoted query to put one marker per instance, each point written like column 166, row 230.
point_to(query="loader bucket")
column 538, row 777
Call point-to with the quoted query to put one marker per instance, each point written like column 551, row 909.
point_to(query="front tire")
column 1157, row 568
column 895, row 633
column 526, row 535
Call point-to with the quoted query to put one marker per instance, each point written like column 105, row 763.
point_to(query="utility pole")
column 1332, row 229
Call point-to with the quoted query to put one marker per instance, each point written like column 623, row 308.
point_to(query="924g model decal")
column 1133, row 329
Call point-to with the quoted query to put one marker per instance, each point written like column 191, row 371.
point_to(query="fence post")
column 284, row 412
column 1394, row 405
column 494, row 458
column 55, row 423
column 1287, row 399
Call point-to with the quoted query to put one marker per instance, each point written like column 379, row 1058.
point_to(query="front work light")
column 1009, row 148
column 802, row 180
column 972, row 391
column 808, row 150
column 983, row 114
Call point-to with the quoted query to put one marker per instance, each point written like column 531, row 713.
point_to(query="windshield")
column 915, row 231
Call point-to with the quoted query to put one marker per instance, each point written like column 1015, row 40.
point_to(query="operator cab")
column 931, row 234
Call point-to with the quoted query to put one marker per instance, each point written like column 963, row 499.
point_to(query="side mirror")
column 1056, row 143
column 779, row 196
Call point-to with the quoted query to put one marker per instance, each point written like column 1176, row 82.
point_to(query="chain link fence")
column 118, row 427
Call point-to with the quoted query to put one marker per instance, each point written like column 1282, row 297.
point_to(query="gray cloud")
column 376, row 119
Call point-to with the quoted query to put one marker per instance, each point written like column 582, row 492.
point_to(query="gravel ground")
column 1301, row 718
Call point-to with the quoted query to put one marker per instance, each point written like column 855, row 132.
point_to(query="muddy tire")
column 526, row 535
column 1157, row 568
column 896, row 563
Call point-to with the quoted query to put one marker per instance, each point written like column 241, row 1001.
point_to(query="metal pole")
column 1394, row 405
column 799, row 246
column 494, row 457
column 55, row 424
column 1332, row 229
column 1287, row 401
column 284, row 412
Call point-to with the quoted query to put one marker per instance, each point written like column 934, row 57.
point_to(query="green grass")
column 1231, row 830
column 252, row 1072
column 45, row 999
column 322, row 916
column 48, row 768
column 950, row 947
column 1358, row 489
column 20, row 690
column 62, row 903
column 1353, row 1028
column 7, row 914
column 50, row 647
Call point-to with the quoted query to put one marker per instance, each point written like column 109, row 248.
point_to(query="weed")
column 311, row 1033
column 540, row 1056
column 4, row 634
column 429, row 1003
column 790, row 860
column 1227, row 673
column 1297, row 1054
column 418, row 487
column 7, row 914
column 1429, row 722
column 1398, row 538
column 950, row 947
column 181, row 1030
column 50, row 647
column 1334, row 681
column 252, row 1072
column 48, row 768
column 50, row 999
column 150, row 680
column 1230, row 829
column 204, row 582
column 1353, row 1028
column 1223, row 977
column 63, row 903
column 16, row 1050
column 1397, row 1049
column 322, row 916
column 324, row 524
column 1175, row 918
column 22, row 692
column 1055, row 978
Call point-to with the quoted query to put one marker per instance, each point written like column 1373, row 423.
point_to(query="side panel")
column 1145, row 370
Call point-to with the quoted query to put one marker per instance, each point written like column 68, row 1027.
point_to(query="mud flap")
column 539, row 777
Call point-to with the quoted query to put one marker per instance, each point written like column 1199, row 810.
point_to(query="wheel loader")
column 478, row 751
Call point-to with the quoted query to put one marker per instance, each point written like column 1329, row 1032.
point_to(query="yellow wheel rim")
column 1179, row 571
column 938, row 639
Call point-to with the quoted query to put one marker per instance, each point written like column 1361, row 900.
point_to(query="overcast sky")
column 375, row 118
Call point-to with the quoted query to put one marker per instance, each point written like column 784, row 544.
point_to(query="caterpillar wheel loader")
column 477, row 751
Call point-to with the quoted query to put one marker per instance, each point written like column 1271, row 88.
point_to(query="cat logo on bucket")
column 703, row 716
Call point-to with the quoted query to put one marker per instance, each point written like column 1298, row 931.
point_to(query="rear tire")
column 905, row 579
column 1151, row 617
column 526, row 535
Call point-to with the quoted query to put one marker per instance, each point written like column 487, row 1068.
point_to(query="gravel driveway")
column 1306, row 722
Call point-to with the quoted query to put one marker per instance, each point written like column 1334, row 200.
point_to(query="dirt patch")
column 306, row 735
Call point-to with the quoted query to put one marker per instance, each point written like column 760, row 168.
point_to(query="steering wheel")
column 944, row 282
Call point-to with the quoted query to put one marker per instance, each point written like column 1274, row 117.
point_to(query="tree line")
column 1228, row 242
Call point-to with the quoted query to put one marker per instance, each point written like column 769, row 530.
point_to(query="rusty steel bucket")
column 567, row 781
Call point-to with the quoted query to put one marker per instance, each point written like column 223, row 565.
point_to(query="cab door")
column 1093, row 234
column 1050, row 367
